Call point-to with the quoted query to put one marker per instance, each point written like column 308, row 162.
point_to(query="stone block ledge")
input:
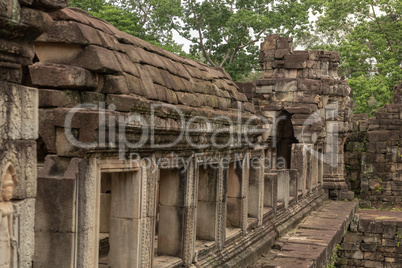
column 312, row 242
column 373, row 240
column 243, row 251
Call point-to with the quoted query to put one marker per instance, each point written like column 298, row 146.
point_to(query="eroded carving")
column 8, row 244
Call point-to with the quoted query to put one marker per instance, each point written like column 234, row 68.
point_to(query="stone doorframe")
column 221, row 191
column 189, row 178
column 89, row 206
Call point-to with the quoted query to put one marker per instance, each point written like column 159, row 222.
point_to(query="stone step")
column 312, row 242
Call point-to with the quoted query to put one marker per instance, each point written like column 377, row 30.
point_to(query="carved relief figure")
column 7, row 241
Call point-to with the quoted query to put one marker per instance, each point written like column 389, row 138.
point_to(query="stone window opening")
column 234, row 197
column 207, row 207
column 170, row 213
column 119, row 220
column 270, row 192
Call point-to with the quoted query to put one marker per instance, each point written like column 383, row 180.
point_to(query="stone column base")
column 337, row 188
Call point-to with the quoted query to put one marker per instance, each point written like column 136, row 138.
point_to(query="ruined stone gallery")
column 116, row 153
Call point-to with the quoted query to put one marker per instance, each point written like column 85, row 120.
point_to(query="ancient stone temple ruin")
column 116, row 153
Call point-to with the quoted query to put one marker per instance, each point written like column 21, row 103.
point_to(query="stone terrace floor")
column 312, row 242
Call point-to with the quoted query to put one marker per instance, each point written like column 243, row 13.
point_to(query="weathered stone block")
column 375, row 256
column 95, row 98
column 57, row 98
column 270, row 189
column 310, row 85
column 368, row 247
column 270, row 42
column 366, row 226
column 18, row 111
column 53, row 248
column 56, row 196
column 374, row 136
column 62, row 76
column 126, row 196
column 283, row 43
column 286, row 85
column 357, row 255
column 264, row 89
column 280, row 53
column 32, row 22
column 126, row 64
column 147, row 85
column 69, row 32
column 207, row 184
column 98, row 59
column 297, row 56
column 295, row 64
column 191, row 100
column 10, row 72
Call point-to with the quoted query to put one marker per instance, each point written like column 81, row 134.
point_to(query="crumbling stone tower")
column 303, row 88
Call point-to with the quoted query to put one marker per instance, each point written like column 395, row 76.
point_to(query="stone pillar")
column 314, row 170
column 270, row 190
column 190, row 202
column 236, row 197
column 283, row 186
column 256, row 189
column 334, row 181
column 245, row 178
column 301, row 161
column 293, row 180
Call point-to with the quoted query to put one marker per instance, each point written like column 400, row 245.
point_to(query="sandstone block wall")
column 354, row 148
column 374, row 240
column 373, row 157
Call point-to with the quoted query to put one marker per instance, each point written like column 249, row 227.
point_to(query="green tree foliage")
column 227, row 31
column 368, row 36
column 147, row 19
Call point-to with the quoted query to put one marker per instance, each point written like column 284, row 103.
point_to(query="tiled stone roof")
column 91, row 54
